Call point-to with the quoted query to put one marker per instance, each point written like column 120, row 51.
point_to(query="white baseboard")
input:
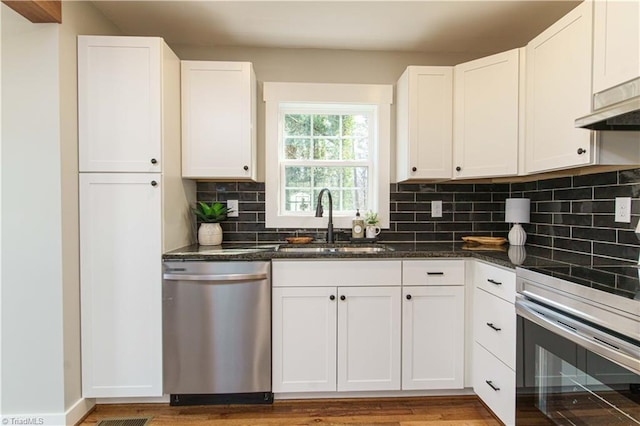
column 135, row 400
column 372, row 394
column 78, row 410
column 69, row 418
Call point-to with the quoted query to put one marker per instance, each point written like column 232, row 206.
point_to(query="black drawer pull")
column 332, row 297
column 490, row 383
column 435, row 273
column 494, row 282
column 490, row 324
column 343, row 297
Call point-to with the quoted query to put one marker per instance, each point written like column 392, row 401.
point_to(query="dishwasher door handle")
column 215, row 277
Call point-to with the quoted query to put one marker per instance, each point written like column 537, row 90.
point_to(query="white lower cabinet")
column 433, row 337
column 369, row 338
column 121, row 246
column 364, row 331
column 494, row 330
column 339, row 337
column 304, row 339
column 495, row 384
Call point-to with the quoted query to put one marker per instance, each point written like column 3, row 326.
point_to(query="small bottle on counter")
column 357, row 226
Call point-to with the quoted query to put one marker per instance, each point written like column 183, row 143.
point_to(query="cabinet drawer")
column 433, row 272
column 495, row 280
column 494, row 326
column 488, row 371
column 353, row 273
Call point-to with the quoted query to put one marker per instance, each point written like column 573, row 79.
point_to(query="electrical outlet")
column 436, row 208
column 232, row 205
column 623, row 209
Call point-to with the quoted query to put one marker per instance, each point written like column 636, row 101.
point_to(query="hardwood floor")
column 459, row 410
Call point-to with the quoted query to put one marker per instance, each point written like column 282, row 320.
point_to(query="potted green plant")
column 371, row 224
column 210, row 216
column 371, row 218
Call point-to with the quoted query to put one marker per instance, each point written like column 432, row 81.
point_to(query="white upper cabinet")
column 424, row 112
column 616, row 43
column 486, row 116
column 119, row 104
column 558, row 90
column 218, row 120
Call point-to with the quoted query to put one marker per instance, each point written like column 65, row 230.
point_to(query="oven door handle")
column 616, row 350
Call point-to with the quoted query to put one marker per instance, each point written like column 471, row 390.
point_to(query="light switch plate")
column 232, row 205
column 623, row 209
column 436, row 208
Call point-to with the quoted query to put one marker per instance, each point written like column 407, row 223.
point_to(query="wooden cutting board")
column 496, row 241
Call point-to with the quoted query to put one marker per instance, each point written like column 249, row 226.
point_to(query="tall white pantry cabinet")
column 133, row 207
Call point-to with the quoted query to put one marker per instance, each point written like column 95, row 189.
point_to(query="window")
column 326, row 136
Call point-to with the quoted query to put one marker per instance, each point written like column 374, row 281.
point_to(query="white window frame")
column 279, row 96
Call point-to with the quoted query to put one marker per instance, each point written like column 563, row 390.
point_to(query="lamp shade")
column 517, row 210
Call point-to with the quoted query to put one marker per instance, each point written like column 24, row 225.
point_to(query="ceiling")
column 452, row 26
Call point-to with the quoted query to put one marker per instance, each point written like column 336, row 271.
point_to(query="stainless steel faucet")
column 319, row 211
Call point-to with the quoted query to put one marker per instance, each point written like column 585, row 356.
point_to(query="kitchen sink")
column 331, row 249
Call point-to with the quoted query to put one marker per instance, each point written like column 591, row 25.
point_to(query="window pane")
column 355, row 125
column 297, row 124
column 298, row 200
column 354, row 177
column 297, row 149
column 326, row 177
column 326, row 125
column 297, row 177
column 326, row 149
column 353, row 199
column 355, row 149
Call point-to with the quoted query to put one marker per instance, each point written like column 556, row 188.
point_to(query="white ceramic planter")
column 210, row 234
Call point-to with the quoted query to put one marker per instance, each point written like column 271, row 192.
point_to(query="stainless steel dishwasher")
column 217, row 332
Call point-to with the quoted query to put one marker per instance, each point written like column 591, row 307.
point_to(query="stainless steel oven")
column 578, row 348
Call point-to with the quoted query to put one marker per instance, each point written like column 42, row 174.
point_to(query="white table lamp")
column 517, row 212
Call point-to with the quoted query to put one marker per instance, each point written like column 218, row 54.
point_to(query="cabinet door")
column 433, row 337
column 616, row 43
column 369, row 338
column 486, row 116
column 120, row 275
column 119, row 104
column 558, row 92
column 424, row 111
column 304, row 339
column 218, row 120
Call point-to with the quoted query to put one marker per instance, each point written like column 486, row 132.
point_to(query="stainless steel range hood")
column 615, row 109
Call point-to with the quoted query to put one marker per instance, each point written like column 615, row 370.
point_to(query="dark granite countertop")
column 502, row 255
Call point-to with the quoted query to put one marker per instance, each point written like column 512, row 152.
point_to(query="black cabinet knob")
column 154, row 161
column 414, row 169
column 458, row 168
column 154, row 183
column 408, row 297
column 581, row 151
column 332, row 297
column 246, row 168
column 343, row 297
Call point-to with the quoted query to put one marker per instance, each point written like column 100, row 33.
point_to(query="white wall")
column 32, row 352
column 40, row 304
column 319, row 66
column 77, row 18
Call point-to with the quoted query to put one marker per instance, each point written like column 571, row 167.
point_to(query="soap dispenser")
column 357, row 226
